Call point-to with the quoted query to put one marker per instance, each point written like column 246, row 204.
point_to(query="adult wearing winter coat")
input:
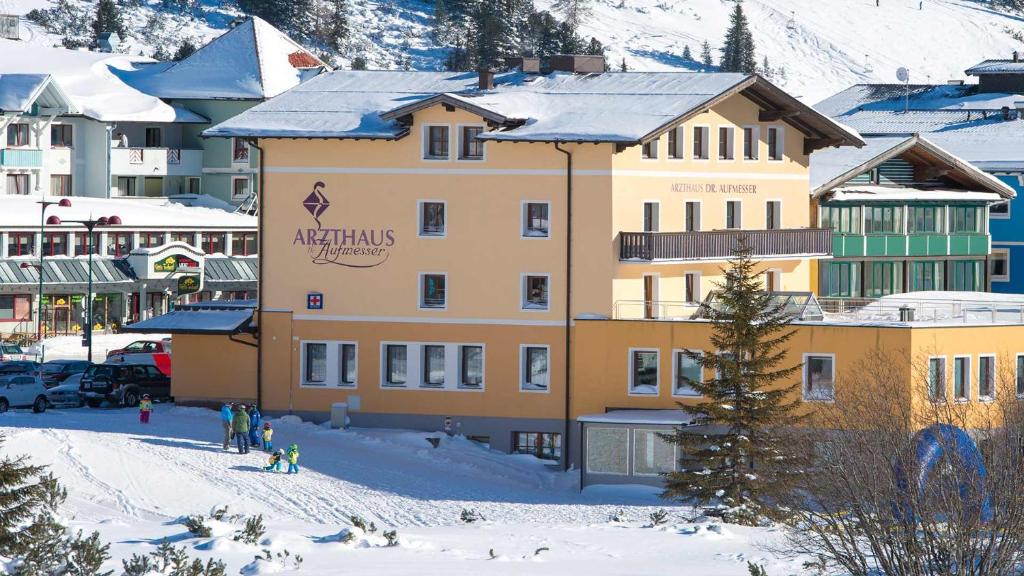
column 226, row 416
column 240, row 426
column 254, row 426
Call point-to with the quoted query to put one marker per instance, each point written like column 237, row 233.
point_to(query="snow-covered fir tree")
column 749, row 399
column 573, row 12
column 738, row 47
column 705, row 55
column 687, row 56
column 107, row 19
column 186, row 49
column 330, row 24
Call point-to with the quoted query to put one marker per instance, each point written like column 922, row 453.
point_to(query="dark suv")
column 123, row 384
column 57, row 371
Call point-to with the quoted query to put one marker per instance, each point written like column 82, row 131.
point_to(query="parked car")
column 12, row 352
column 143, row 347
column 57, row 371
column 18, row 367
column 67, row 393
column 23, row 391
column 123, row 384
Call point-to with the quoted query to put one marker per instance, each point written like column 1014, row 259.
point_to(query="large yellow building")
column 449, row 251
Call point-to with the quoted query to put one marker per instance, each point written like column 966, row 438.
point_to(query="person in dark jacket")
column 254, row 426
column 240, row 426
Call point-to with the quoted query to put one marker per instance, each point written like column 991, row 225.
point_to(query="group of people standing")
column 242, row 423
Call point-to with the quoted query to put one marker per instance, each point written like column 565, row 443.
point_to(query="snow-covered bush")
column 196, row 526
column 469, row 516
column 392, row 537
column 253, row 531
column 170, row 561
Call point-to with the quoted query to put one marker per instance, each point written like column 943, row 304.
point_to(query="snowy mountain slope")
column 131, row 482
column 824, row 45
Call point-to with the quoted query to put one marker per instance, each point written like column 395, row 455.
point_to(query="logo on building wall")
column 314, row 301
column 188, row 284
column 351, row 246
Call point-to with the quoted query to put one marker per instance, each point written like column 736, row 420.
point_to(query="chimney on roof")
column 1016, row 56
column 526, row 64
column 955, row 82
column 577, row 63
column 486, row 79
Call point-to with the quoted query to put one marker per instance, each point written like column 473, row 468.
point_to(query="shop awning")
column 228, row 320
column 231, row 269
column 63, row 270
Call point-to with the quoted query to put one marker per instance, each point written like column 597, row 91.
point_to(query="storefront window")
column 214, row 242
column 82, row 244
column 62, row 313
column 108, row 311
column 607, row 451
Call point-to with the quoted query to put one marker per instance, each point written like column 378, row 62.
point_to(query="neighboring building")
column 139, row 121
column 416, row 263
column 138, row 265
column 906, row 216
column 981, row 123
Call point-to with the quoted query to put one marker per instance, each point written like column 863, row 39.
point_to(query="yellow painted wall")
column 213, row 369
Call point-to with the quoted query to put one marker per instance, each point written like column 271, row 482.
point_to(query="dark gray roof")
column 64, row 270
column 201, row 321
column 996, row 66
column 231, row 269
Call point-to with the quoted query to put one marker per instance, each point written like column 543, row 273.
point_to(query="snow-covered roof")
column 958, row 118
column 23, row 212
column 835, row 167
column 253, row 60
column 18, row 92
column 650, row 417
column 996, row 67
column 93, row 82
column 868, row 192
column 609, row 107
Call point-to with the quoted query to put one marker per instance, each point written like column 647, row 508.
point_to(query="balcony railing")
column 21, row 158
column 156, row 162
column 721, row 244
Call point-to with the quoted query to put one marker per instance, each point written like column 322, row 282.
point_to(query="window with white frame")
column 60, row 185
column 396, row 364
column 961, row 377
column 773, row 280
column 1019, row 380
column 535, row 220
column 773, row 215
column 433, row 365
column 675, row 143
column 471, row 147
column 432, row 218
column 733, row 214
column 534, row 368
column 937, row 378
column 471, row 366
column 999, row 211
column 239, row 151
column 726, row 143
column 774, row 139
column 688, row 371
column 239, row 188
column 607, row 451
column 435, row 142
column 328, row 364
column 751, row 135
column 819, row 377
column 691, row 216
column 700, row 142
column 1000, row 264
column 433, row 291
column 643, row 372
column 649, row 150
column 535, row 291
column 652, row 454
column 691, row 287
column 986, row 377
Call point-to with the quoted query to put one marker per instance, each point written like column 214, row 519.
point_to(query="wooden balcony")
column 720, row 244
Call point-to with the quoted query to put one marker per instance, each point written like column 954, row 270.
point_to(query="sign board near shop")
column 189, row 284
column 169, row 264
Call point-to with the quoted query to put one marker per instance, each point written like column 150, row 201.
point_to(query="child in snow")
column 268, row 434
column 293, row 459
column 275, row 461
column 145, row 407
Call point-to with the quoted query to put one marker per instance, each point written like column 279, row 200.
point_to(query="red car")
column 154, row 352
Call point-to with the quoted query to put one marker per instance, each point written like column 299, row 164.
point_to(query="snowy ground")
column 70, row 347
column 131, row 482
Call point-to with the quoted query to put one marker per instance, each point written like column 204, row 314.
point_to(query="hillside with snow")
column 823, row 45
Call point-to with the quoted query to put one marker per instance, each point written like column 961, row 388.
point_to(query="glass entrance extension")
column 877, row 278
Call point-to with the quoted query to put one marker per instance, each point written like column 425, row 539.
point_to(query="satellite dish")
column 902, row 74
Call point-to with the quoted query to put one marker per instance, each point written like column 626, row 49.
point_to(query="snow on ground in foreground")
column 131, row 482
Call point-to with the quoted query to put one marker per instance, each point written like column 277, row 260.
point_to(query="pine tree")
column 574, row 12
column 542, row 39
column 331, row 24
column 687, row 56
column 359, row 63
column 491, row 36
column 21, row 492
column 738, row 48
column 186, row 49
column 766, row 69
column 442, row 23
column 705, row 55
column 623, row 67
column 108, row 19
column 749, row 399
column 569, row 41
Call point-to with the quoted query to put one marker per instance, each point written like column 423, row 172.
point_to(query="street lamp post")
column 91, row 225
column 43, row 221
